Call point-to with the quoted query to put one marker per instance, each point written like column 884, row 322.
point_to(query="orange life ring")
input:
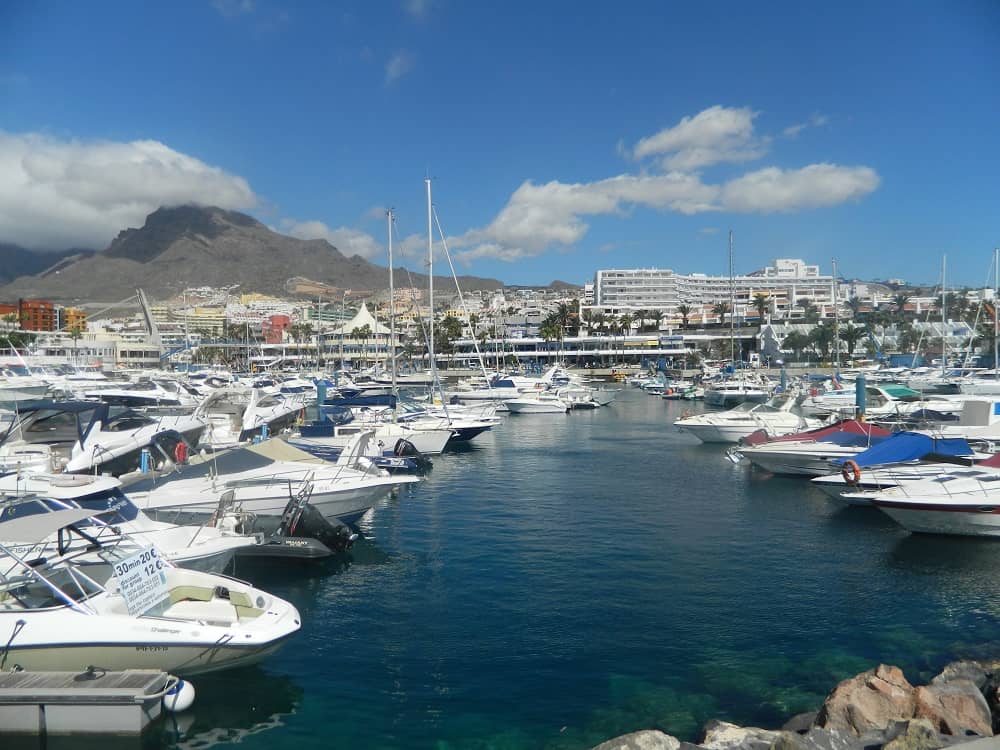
column 180, row 452
column 851, row 472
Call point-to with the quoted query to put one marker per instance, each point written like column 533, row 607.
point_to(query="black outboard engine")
column 405, row 449
column 308, row 523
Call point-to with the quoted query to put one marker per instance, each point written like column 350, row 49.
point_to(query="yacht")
column 809, row 453
column 148, row 615
column 118, row 524
column 544, row 402
column 775, row 418
column 236, row 415
column 729, row 393
column 264, row 478
column 88, row 436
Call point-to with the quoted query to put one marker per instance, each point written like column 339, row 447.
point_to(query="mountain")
column 19, row 261
column 194, row 246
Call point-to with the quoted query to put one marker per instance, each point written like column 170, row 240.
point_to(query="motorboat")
column 151, row 392
column 902, row 457
column 117, row 524
column 236, row 415
column 544, row 402
column 774, row 418
column 264, row 477
column 88, row 436
column 809, row 453
column 148, row 615
column 961, row 500
column 729, row 393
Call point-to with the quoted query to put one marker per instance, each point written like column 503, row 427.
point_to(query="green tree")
column 684, row 310
column 851, row 335
column 809, row 310
column 760, row 303
column 822, row 337
column 854, row 304
column 797, row 342
column 721, row 309
column 899, row 302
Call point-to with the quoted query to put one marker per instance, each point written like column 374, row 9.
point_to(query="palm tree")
column 657, row 318
column 851, row 335
column 854, row 304
column 809, row 311
column 640, row 319
column 684, row 310
column 721, row 309
column 760, row 302
column 822, row 336
column 796, row 342
column 900, row 301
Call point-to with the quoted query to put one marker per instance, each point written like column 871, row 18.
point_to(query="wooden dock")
column 93, row 702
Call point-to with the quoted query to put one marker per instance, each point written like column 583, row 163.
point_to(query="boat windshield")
column 39, row 587
column 115, row 507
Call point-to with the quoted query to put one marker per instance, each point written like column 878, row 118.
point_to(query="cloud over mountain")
column 68, row 193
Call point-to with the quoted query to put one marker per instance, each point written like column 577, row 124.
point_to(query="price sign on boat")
column 142, row 580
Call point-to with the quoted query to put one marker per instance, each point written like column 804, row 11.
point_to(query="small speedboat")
column 148, row 615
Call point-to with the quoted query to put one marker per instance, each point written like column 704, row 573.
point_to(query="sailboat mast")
column 732, row 305
column 836, row 318
column 430, row 276
column 392, row 306
column 996, row 322
column 944, row 314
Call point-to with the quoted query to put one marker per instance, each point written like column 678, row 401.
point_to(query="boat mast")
column 836, row 318
column 430, row 277
column 996, row 323
column 392, row 306
column 732, row 305
column 944, row 314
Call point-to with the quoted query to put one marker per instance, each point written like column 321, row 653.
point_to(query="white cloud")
column 814, row 121
column 233, row 8
column 773, row 190
column 717, row 134
column 538, row 216
column 56, row 194
column 399, row 65
column 349, row 241
column 417, row 8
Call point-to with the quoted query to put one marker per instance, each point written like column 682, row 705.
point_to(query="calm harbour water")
column 568, row 579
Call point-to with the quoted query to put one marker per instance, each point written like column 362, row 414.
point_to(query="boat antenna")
column 732, row 305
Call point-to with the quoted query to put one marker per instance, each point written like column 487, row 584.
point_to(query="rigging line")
column 461, row 297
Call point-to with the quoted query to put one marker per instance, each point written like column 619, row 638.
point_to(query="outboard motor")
column 405, row 449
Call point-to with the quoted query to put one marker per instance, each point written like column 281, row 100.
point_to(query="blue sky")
column 561, row 137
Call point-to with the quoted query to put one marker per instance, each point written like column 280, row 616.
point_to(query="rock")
column 648, row 739
column 721, row 735
column 800, row 723
column 830, row 739
column 918, row 734
column 972, row 671
column 787, row 741
column 956, row 707
column 870, row 700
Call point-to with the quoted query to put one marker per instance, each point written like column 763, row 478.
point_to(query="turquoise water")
column 568, row 579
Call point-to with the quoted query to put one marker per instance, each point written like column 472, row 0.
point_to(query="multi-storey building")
column 786, row 285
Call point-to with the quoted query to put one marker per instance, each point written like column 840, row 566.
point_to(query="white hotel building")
column 787, row 283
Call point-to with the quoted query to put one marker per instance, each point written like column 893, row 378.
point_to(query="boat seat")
column 213, row 612
column 191, row 593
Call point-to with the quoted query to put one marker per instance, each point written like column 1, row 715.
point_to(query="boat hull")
column 966, row 520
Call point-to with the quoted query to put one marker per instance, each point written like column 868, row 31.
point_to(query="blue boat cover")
column 850, row 439
column 909, row 446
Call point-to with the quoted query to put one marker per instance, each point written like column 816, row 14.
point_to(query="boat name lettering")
column 151, row 648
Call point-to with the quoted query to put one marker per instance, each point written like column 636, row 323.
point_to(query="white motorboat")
column 902, row 457
column 327, row 435
column 237, row 415
column 731, row 392
column 962, row 501
column 810, row 453
column 264, row 477
column 543, row 402
column 774, row 418
column 86, row 436
column 118, row 524
column 152, row 392
column 149, row 615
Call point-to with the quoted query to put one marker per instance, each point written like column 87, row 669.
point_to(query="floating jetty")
column 91, row 702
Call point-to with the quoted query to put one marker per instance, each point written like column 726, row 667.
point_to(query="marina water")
column 570, row 578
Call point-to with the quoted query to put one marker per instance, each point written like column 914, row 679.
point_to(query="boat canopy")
column 909, row 446
column 36, row 528
column 845, row 430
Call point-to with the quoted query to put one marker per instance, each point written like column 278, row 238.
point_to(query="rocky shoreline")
column 875, row 710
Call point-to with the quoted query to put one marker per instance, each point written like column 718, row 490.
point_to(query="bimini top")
column 38, row 527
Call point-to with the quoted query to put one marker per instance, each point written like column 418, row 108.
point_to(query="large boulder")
column 957, row 708
column 648, row 739
column 916, row 734
column 870, row 700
